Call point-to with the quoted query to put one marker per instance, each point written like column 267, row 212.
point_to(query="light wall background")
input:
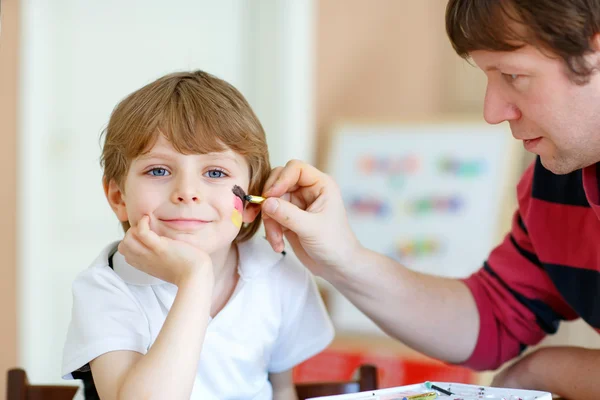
column 9, row 72
column 303, row 65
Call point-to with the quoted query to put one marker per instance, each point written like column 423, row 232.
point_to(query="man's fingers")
column 288, row 215
column 295, row 174
column 274, row 234
column 296, row 200
column 275, row 173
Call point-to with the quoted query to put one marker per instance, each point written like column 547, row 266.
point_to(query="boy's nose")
column 186, row 192
column 187, row 199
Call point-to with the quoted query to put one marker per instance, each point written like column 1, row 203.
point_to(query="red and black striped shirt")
column 546, row 270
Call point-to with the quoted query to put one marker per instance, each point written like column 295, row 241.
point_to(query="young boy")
column 189, row 304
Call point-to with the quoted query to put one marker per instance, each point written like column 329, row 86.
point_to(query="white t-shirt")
column 274, row 320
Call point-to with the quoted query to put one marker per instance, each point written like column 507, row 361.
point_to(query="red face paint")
column 238, row 205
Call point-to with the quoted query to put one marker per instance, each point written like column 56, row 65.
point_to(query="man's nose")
column 497, row 109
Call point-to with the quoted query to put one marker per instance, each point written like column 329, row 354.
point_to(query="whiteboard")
column 428, row 195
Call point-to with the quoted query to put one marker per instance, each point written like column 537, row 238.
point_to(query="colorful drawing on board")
column 368, row 206
column 388, row 165
column 461, row 168
column 434, row 205
column 396, row 182
column 416, row 248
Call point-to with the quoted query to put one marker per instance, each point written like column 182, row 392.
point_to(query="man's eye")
column 158, row 172
column 215, row 174
column 511, row 77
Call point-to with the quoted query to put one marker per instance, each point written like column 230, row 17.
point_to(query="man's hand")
column 306, row 206
column 170, row 260
column 515, row 376
column 570, row 372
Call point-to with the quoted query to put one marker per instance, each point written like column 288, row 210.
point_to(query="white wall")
column 282, row 80
column 79, row 60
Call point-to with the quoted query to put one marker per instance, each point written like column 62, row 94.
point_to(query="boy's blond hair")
column 198, row 114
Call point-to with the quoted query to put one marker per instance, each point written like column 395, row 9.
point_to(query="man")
column 541, row 59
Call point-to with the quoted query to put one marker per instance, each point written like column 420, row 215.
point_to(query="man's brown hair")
column 563, row 27
column 198, row 114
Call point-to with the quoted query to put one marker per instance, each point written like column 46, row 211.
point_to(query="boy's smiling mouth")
column 184, row 223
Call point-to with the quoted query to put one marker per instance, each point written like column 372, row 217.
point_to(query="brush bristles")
column 239, row 192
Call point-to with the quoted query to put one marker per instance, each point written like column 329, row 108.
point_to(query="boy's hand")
column 167, row 259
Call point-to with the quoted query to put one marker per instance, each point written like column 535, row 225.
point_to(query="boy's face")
column 553, row 116
column 187, row 197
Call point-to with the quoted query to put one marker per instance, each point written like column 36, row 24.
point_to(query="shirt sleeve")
column 306, row 328
column 105, row 317
column 518, row 303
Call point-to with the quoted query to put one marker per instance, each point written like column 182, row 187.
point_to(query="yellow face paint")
column 236, row 218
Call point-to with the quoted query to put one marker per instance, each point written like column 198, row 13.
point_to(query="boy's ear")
column 250, row 212
column 115, row 198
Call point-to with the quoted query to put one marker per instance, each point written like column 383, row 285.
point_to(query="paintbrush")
column 239, row 192
column 254, row 199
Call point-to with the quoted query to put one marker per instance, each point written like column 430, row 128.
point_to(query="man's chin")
column 561, row 166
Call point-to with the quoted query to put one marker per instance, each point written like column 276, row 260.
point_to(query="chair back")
column 366, row 380
column 19, row 388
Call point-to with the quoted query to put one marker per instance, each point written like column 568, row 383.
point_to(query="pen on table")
column 430, row 385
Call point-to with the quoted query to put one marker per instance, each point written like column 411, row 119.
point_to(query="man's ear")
column 116, row 199
column 250, row 212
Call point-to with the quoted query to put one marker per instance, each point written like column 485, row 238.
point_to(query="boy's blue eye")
column 215, row 174
column 158, row 172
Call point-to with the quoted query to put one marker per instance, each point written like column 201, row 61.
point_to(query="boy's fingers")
column 147, row 236
column 143, row 224
column 131, row 244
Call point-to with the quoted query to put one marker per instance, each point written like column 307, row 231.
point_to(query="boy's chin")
column 207, row 245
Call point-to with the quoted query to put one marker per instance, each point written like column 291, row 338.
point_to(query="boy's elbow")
column 131, row 390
